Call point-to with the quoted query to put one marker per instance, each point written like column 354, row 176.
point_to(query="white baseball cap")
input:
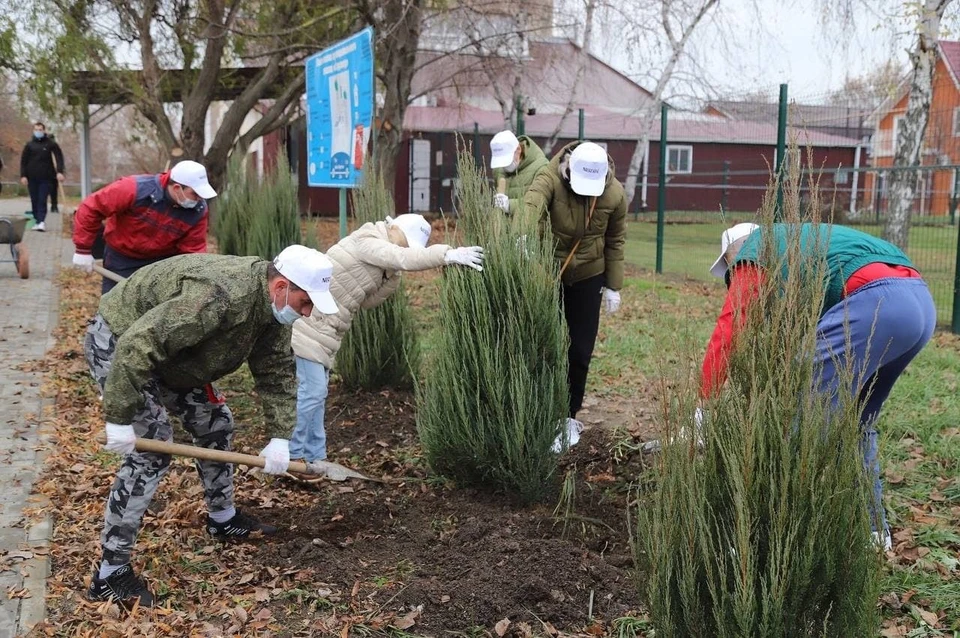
column 719, row 268
column 588, row 169
column 502, row 147
column 194, row 175
column 414, row 227
column 311, row 271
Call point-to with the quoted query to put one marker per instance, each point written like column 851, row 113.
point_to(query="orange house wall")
column 939, row 136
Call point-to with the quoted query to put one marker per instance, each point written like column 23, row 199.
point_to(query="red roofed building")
column 941, row 143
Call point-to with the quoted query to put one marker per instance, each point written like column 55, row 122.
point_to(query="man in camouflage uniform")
column 155, row 347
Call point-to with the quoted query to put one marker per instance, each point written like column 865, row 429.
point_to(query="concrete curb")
column 33, row 610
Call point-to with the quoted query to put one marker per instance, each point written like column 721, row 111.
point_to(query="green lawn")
column 689, row 250
column 665, row 323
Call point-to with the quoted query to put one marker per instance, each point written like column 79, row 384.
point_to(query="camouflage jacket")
column 191, row 319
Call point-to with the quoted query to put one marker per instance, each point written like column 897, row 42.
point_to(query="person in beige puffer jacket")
column 366, row 271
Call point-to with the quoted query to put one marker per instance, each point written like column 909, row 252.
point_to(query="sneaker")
column 40, row 227
column 122, row 586
column 883, row 541
column 240, row 526
column 569, row 436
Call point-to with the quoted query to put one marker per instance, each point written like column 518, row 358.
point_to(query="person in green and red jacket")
column 147, row 218
column 877, row 314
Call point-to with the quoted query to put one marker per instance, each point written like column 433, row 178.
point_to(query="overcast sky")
column 786, row 43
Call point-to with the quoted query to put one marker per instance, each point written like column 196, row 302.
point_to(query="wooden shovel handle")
column 502, row 185
column 100, row 270
column 206, row 454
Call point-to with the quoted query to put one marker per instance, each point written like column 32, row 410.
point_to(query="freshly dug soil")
column 470, row 559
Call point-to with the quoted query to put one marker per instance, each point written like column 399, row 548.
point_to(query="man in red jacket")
column 148, row 218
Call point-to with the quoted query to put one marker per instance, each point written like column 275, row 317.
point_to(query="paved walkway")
column 28, row 315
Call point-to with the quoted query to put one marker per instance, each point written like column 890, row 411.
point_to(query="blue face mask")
column 285, row 315
column 39, row 134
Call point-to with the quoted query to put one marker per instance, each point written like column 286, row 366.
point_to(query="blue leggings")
column 889, row 321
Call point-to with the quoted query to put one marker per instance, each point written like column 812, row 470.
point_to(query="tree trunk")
column 398, row 52
column 633, row 169
column 578, row 78
column 913, row 125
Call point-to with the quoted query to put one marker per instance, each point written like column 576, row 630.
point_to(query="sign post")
column 340, row 103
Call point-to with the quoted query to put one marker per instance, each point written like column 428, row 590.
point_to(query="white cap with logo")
column 312, row 272
column 588, row 169
column 732, row 234
column 194, row 175
column 414, row 227
column 502, row 147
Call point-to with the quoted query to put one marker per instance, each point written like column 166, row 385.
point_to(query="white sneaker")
column 568, row 438
column 41, row 227
column 882, row 539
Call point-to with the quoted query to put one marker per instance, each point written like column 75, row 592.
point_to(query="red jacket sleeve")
column 112, row 199
column 745, row 284
column 195, row 241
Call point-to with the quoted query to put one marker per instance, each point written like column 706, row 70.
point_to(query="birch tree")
column 924, row 19
column 672, row 26
column 913, row 125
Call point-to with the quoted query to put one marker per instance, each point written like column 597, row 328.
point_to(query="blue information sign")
column 340, row 102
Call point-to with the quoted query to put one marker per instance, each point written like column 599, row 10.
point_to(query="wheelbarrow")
column 11, row 232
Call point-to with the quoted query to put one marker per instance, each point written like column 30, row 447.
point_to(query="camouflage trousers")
column 205, row 416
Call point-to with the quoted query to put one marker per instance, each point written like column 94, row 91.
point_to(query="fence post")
column 520, row 126
column 954, row 196
column 955, row 318
column 661, row 186
column 580, row 128
column 781, row 149
column 476, row 144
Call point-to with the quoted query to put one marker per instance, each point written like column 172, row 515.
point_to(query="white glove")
column 471, row 256
column 276, row 456
column 612, row 300
column 698, row 418
column 121, row 439
column 83, row 262
column 502, row 202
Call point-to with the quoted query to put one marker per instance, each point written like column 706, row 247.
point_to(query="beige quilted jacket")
column 366, row 270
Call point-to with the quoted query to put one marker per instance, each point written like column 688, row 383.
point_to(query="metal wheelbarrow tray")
column 11, row 232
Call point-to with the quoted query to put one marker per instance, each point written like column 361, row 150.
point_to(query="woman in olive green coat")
column 587, row 209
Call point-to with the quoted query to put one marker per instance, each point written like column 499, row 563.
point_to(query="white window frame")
column 680, row 148
column 956, row 120
column 895, row 132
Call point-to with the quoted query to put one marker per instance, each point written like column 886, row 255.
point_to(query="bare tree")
column 201, row 39
column 671, row 27
column 590, row 7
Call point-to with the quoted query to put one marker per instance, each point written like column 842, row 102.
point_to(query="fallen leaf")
column 892, row 601
column 408, row 621
column 893, row 478
column 501, row 627
column 444, row 599
column 263, row 614
column 596, row 629
column 336, row 517
column 928, row 616
column 261, row 595
column 897, row 631
column 22, row 555
column 241, row 615
column 246, row 578
column 549, row 629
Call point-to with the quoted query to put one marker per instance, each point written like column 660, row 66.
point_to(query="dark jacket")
column 600, row 251
column 36, row 161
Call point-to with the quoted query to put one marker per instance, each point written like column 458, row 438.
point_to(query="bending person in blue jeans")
column 877, row 316
column 366, row 271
